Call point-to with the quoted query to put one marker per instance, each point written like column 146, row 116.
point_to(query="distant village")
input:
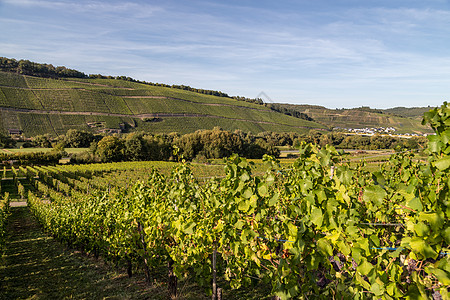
column 376, row 130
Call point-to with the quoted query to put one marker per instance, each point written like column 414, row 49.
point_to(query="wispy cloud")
column 238, row 48
column 95, row 7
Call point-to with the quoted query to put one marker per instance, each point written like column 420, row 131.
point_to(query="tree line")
column 26, row 67
column 200, row 145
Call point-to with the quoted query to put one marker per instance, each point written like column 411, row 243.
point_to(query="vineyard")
column 28, row 100
column 318, row 228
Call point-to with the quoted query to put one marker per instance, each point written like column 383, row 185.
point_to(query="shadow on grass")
column 35, row 266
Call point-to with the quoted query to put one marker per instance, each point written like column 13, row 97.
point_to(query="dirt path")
column 7, row 151
column 35, row 266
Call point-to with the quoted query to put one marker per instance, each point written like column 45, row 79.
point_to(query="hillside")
column 404, row 120
column 39, row 105
column 408, row 112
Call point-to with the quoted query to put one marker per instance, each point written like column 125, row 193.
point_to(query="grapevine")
column 318, row 229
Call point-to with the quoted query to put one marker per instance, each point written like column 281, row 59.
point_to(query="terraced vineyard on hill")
column 404, row 120
column 42, row 105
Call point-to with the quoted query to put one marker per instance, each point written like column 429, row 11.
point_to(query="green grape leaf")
column 392, row 289
column 447, row 235
column 325, row 247
column 362, row 282
column 292, row 230
column 273, row 201
column 343, row 247
column 316, row 216
column 247, row 193
column 262, row 189
column 239, row 224
column 374, row 194
column 441, row 275
column 421, row 229
column 442, row 163
column 345, row 176
column 445, row 136
column 365, row 267
column 419, row 245
column 415, row 204
column 244, row 205
column 377, row 289
column 436, row 220
column 434, row 143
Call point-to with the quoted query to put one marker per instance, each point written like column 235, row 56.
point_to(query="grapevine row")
column 4, row 213
column 319, row 229
column 288, row 223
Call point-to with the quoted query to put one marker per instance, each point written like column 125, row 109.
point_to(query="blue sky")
column 335, row 53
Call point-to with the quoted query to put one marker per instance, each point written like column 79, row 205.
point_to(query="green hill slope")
column 363, row 117
column 39, row 105
column 410, row 112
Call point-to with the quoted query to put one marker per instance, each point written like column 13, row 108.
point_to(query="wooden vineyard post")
column 173, row 281
column 214, row 275
column 146, row 269
column 129, row 268
column 216, row 291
